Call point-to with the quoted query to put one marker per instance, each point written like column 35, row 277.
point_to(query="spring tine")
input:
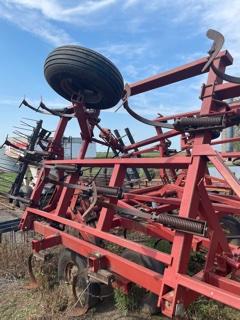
column 22, row 128
column 20, row 134
column 44, row 107
column 26, row 124
column 29, row 119
column 25, row 103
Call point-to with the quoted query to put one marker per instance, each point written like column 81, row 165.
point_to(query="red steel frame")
column 189, row 193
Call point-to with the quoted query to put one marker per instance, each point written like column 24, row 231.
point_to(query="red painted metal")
column 184, row 185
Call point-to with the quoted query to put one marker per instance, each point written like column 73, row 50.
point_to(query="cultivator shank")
column 184, row 206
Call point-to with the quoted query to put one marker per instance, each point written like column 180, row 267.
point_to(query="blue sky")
column 141, row 37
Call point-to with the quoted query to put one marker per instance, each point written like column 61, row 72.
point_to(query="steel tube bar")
column 154, row 254
column 168, row 162
column 125, row 268
column 208, row 290
column 180, row 73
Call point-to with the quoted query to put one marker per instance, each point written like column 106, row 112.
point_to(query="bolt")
column 167, row 304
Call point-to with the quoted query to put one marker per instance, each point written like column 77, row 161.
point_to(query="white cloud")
column 129, row 50
column 134, row 73
column 223, row 16
column 131, row 3
column 40, row 17
column 57, row 11
column 32, row 22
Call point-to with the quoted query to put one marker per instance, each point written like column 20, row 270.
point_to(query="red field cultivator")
column 185, row 206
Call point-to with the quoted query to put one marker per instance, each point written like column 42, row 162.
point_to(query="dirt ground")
column 17, row 302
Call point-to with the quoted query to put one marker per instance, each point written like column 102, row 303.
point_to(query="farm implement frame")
column 184, row 206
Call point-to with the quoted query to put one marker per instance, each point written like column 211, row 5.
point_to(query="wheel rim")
column 92, row 96
column 71, row 271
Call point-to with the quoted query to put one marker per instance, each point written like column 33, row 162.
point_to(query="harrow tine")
column 44, row 107
column 20, row 134
column 26, row 104
column 22, row 128
column 153, row 123
column 29, row 119
column 26, row 124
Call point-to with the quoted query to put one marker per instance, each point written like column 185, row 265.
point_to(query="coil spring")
column 198, row 122
column 196, row 227
column 110, row 191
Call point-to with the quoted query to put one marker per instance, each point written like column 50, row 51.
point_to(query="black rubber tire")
column 67, row 256
column 73, row 69
column 231, row 226
column 149, row 302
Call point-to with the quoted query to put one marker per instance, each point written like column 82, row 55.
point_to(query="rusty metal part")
column 33, row 281
column 225, row 76
column 218, row 41
column 80, row 308
column 210, row 122
column 110, row 139
column 47, row 111
column 153, row 123
column 107, row 191
column 186, row 225
column 200, row 123
column 86, row 298
column 127, row 94
column 102, row 275
column 67, row 168
column 191, row 226
column 93, row 202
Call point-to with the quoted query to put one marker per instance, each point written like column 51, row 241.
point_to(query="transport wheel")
column 74, row 70
column 148, row 301
column 72, row 269
column 231, row 227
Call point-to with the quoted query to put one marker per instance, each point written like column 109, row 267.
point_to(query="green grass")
column 6, row 180
column 102, row 154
